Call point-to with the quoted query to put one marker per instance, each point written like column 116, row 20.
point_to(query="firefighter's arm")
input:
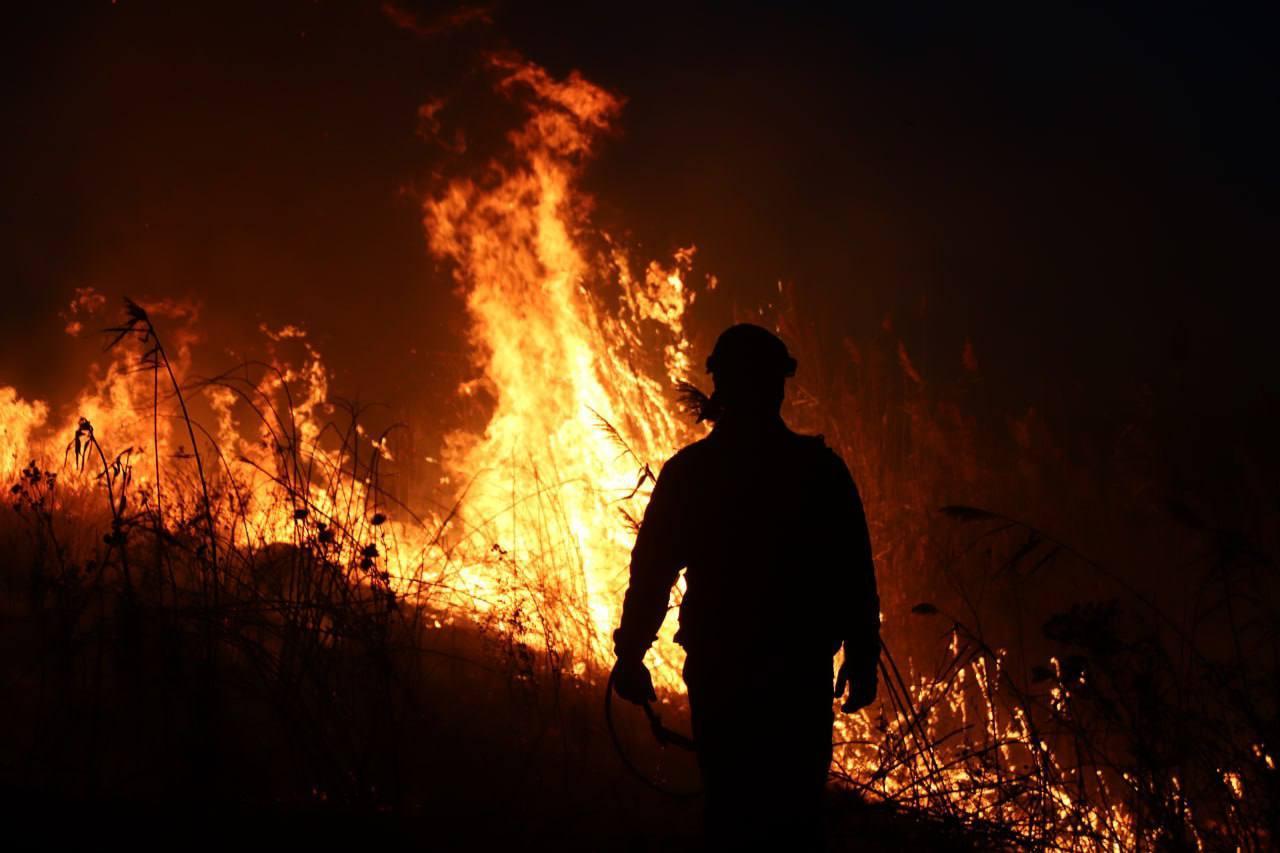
column 861, row 623
column 656, row 561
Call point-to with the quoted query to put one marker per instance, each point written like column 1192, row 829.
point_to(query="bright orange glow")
column 560, row 330
column 579, row 346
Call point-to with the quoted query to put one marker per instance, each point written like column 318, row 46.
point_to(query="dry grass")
column 160, row 653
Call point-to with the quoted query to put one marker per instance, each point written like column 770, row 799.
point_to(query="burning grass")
column 273, row 626
column 210, row 590
column 223, row 640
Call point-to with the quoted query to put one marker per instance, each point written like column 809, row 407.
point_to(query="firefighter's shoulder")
column 815, row 444
column 688, row 457
column 818, row 452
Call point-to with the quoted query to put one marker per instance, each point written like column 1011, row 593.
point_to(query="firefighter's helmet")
column 747, row 349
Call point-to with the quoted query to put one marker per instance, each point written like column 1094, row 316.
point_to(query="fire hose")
column 664, row 736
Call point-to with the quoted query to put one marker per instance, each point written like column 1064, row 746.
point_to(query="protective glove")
column 861, row 687
column 631, row 681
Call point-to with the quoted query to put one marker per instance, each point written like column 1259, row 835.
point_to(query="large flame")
column 560, row 329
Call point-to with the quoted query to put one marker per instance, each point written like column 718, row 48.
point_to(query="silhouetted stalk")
column 138, row 322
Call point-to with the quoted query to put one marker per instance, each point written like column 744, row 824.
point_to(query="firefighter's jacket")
column 770, row 527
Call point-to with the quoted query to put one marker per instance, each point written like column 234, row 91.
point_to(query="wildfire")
column 561, row 333
column 578, row 346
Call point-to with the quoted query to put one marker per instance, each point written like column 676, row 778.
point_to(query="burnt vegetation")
column 166, row 659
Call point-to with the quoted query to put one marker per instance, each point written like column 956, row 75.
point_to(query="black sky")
column 1089, row 195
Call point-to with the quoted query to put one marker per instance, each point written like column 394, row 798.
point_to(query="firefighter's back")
column 759, row 534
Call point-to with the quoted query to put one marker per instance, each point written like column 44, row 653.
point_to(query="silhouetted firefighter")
column 770, row 528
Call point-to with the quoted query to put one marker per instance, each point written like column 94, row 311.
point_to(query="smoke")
column 441, row 24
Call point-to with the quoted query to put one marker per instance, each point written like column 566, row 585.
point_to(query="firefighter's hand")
column 862, row 689
column 632, row 682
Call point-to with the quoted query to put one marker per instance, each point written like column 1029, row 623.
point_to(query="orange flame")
column 557, row 340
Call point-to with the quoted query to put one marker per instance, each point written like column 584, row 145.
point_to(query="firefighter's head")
column 750, row 366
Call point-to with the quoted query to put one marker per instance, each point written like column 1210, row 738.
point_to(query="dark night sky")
column 1090, row 196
